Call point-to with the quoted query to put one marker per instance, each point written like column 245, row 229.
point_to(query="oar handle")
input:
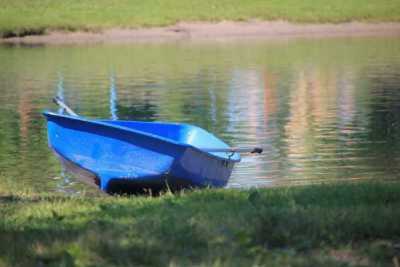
column 59, row 102
column 257, row 150
column 253, row 150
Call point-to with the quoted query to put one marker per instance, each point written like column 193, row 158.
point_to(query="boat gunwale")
column 163, row 139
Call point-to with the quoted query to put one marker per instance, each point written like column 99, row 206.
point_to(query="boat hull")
column 123, row 160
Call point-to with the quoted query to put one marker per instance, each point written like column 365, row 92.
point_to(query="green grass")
column 21, row 17
column 320, row 225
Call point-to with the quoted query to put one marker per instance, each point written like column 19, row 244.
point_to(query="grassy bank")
column 322, row 225
column 22, row 17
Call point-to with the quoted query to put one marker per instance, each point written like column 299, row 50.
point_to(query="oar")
column 59, row 102
column 258, row 150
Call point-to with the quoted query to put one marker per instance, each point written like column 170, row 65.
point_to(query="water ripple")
column 331, row 117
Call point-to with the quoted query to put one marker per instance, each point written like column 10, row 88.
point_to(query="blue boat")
column 131, row 156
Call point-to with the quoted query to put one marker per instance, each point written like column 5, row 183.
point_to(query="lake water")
column 324, row 109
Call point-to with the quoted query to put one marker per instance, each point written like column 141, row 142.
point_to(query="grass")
column 22, row 17
column 319, row 225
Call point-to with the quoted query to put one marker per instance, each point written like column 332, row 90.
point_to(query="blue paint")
column 140, row 154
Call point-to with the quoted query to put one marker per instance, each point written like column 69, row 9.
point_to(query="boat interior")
column 177, row 132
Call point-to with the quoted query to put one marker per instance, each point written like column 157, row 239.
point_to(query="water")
column 324, row 109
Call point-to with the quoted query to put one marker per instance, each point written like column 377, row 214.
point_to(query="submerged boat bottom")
column 148, row 185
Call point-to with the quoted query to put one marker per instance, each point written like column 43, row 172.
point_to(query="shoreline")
column 203, row 31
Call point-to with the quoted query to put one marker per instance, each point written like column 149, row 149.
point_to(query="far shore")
column 225, row 30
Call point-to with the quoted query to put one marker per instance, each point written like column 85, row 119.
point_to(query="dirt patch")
column 213, row 31
column 350, row 257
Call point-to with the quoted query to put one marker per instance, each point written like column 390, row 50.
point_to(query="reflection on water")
column 323, row 109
